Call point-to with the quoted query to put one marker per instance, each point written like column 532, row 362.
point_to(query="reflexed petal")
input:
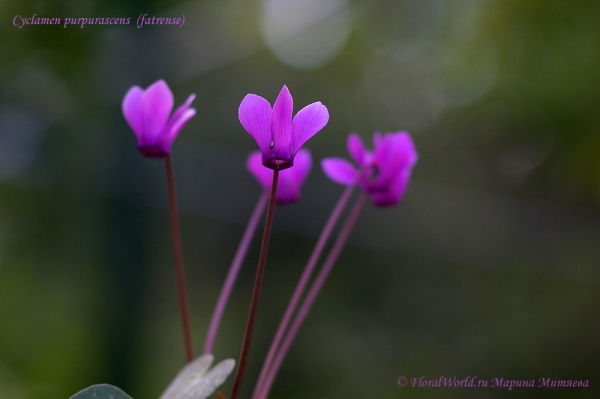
column 395, row 191
column 157, row 104
column 179, row 111
column 356, row 149
column 166, row 141
column 407, row 146
column 382, row 200
column 307, row 122
column 381, row 149
column 255, row 117
column 387, row 159
column 302, row 166
column 263, row 174
column 287, row 192
column 394, row 152
column 339, row 170
column 281, row 125
column 404, row 154
column 292, row 179
column 132, row 110
column 376, row 140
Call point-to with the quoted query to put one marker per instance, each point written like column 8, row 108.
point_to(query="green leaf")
column 101, row 391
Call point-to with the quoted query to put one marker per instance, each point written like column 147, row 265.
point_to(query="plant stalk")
column 257, row 285
column 313, row 292
column 300, row 288
column 234, row 269
column 187, row 331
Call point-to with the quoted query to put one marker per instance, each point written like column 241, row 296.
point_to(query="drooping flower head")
column 383, row 173
column 279, row 137
column 147, row 112
column 290, row 180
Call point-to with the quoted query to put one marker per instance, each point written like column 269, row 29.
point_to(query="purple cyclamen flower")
column 290, row 180
column 279, row 137
column 147, row 112
column 383, row 173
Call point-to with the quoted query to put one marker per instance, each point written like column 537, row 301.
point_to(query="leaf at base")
column 101, row 391
column 196, row 381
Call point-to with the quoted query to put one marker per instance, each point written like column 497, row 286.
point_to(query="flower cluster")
column 281, row 167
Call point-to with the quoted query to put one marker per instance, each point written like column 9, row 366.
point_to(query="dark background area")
column 488, row 268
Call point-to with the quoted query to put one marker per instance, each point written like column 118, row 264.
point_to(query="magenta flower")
column 279, row 137
column 383, row 173
column 147, row 112
column 290, row 180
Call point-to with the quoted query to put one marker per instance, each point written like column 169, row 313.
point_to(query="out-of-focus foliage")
column 489, row 267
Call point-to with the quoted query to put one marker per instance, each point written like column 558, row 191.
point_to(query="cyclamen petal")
column 255, row 116
column 339, row 170
column 393, row 153
column 157, row 104
column 173, row 132
column 180, row 112
column 132, row 110
column 357, row 150
column 279, row 137
column 308, row 122
column 290, row 180
column 395, row 191
column 302, row 166
column 147, row 113
column 281, row 122
column 260, row 173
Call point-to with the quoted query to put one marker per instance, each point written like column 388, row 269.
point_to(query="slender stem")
column 256, row 293
column 300, row 288
column 185, row 317
column 234, row 269
column 314, row 290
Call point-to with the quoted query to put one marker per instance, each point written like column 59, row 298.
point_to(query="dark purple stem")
column 256, row 293
column 313, row 292
column 234, row 269
column 300, row 288
column 187, row 331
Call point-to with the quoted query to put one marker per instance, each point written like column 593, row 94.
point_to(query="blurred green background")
column 489, row 268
